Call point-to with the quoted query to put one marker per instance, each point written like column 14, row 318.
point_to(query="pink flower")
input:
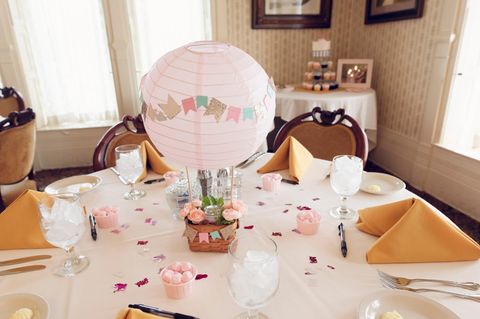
column 184, row 212
column 240, row 206
column 231, row 214
column 196, row 216
column 197, row 203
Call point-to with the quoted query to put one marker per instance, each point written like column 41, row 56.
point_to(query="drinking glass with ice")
column 129, row 164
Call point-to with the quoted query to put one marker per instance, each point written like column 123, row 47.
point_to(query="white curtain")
column 64, row 51
column 161, row 26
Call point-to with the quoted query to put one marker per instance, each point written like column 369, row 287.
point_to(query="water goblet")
column 253, row 274
column 345, row 179
column 63, row 223
column 129, row 164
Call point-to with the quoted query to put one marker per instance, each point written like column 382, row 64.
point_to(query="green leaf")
column 220, row 202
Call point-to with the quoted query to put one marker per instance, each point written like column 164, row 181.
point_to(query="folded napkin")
column 291, row 155
column 20, row 223
column 129, row 313
column 151, row 156
column 411, row 232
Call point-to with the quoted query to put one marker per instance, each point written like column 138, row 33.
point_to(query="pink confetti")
column 315, row 198
column 308, row 273
column 142, row 282
column 313, row 259
column 277, row 233
column 116, row 231
column 258, row 187
column 148, row 220
column 124, row 226
column 142, row 242
column 303, row 208
column 201, row 276
column 119, row 287
column 331, row 267
column 139, row 209
column 296, row 231
column 285, row 211
column 159, row 258
column 248, row 227
column 153, row 223
column 260, row 203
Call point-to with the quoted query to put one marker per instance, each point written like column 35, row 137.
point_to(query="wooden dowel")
column 189, row 188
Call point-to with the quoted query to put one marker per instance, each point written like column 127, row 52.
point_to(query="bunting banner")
column 189, row 105
column 190, row 233
column 203, row 237
column 234, row 113
column 228, row 231
column 215, row 235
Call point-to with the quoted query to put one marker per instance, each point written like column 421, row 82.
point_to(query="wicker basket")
column 219, row 245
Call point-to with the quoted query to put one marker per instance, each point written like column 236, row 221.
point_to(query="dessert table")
column 334, row 287
column 362, row 106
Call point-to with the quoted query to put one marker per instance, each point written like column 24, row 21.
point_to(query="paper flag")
column 216, row 108
column 189, row 104
column 171, row 109
column 227, row 231
column 215, row 235
column 155, row 115
column 234, row 113
column 203, row 237
column 260, row 111
column 202, row 101
column 248, row 113
column 190, row 233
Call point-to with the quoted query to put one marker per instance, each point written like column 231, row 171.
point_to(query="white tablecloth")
column 362, row 106
column 330, row 293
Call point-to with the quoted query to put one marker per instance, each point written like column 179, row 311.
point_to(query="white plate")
column 75, row 184
column 388, row 184
column 409, row 305
column 11, row 303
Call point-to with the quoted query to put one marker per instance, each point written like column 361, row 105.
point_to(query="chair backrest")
column 10, row 101
column 129, row 131
column 17, row 146
column 326, row 135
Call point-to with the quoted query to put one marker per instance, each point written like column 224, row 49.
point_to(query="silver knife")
column 113, row 169
column 248, row 159
column 253, row 159
column 19, row 270
column 23, row 260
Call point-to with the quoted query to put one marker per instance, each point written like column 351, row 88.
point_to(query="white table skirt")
column 362, row 106
column 331, row 293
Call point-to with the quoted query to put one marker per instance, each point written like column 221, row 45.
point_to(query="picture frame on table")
column 354, row 73
column 291, row 14
column 379, row 11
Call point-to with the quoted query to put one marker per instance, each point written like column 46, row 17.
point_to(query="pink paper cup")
column 171, row 177
column 271, row 181
column 181, row 290
column 106, row 217
column 307, row 222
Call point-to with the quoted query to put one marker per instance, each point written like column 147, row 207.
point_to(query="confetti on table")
column 142, row 242
column 289, row 204
column 277, row 233
column 260, row 203
column 303, row 208
column 201, row 276
column 142, row 282
column 313, row 259
column 315, row 198
column 124, row 226
column 153, row 223
column 148, row 220
column 160, row 270
column 296, row 231
column 159, row 258
column 116, row 231
column 285, row 211
column 331, row 267
column 156, row 204
column 248, row 227
column 258, row 187
column 139, row 209
column 119, row 287
column 309, row 273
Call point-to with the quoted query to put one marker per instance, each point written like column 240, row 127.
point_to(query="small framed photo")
column 378, row 11
column 354, row 73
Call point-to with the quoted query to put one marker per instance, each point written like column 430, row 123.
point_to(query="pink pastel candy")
column 167, row 276
column 187, row 276
column 186, row 266
column 99, row 213
column 176, row 278
column 177, row 266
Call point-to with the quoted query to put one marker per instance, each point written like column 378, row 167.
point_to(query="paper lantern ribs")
column 207, row 105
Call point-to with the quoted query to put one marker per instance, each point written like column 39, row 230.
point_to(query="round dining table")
column 326, row 286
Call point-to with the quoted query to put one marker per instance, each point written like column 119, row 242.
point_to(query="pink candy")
column 187, row 276
column 178, row 272
column 106, row 217
column 309, row 216
column 186, row 266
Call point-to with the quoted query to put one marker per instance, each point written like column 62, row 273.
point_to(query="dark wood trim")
column 327, row 118
column 11, row 92
column 15, row 119
column 414, row 13
column 260, row 20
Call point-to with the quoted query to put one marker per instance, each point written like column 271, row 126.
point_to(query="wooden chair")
column 10, row 101
column 326, row 135
column 17, row 149
column 129, row 131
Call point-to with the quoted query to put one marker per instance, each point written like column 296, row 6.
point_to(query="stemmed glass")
column 62, row 222
column 253, row 275
column 129, row 164
column 345, row 179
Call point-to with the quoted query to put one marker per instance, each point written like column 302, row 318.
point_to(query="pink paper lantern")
column 207, row 105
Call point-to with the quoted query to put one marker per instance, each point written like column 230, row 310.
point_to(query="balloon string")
column 231, row 188
column 189, row 188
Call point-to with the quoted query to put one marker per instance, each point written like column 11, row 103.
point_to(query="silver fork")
column 391, row 285
column 401, row 281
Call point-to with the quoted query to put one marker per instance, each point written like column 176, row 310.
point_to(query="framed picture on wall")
column 291, row 14
column 354, row 73
column 377, row 11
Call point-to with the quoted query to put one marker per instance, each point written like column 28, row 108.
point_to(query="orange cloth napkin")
column 411, row 232
column 20, row 223
column 291, row 155
column 129, row 313
column 150, row 155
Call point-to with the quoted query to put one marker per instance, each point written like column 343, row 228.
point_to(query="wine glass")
column 129, row 164
column 345, row 179
column 253, row 275
column 63, row 223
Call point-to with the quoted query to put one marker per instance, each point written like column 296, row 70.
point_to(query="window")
column 461, row 127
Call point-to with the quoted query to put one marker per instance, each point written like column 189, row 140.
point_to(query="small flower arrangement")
column 194, row 211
